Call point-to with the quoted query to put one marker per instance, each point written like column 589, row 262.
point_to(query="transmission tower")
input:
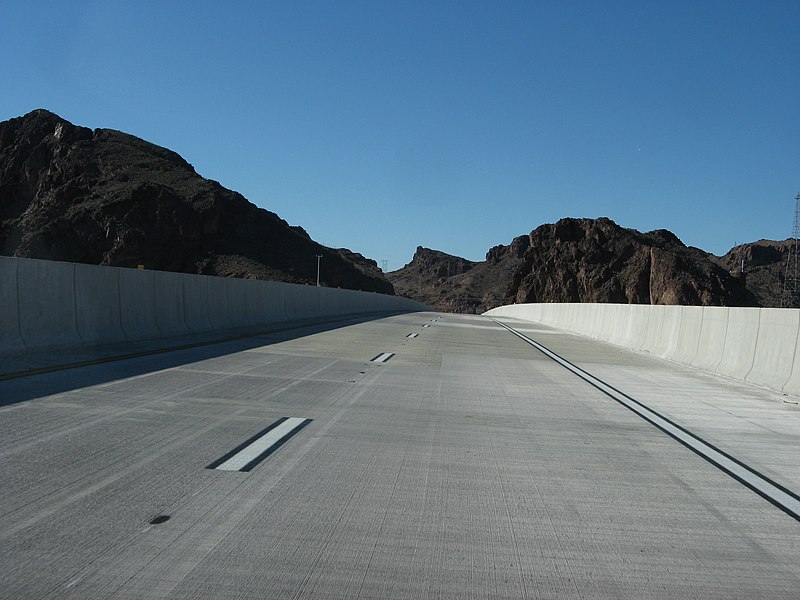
column 791, row 279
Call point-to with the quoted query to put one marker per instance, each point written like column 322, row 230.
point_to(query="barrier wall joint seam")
column 155, row 307
column 699, row 337
column 794, row 363
column 19, row 314
column 755, row 347
column 125, row 333
column 724, row 341
column 183, row 306
column 75, row 303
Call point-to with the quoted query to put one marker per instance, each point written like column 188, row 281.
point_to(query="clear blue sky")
column 381, row 126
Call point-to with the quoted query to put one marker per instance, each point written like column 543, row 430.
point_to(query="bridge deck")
column 464, row 463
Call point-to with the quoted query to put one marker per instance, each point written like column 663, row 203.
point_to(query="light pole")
column 319, row 256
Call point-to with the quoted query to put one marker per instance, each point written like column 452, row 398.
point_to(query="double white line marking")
column 383, row 357
column 247, row 455
column 783, row 498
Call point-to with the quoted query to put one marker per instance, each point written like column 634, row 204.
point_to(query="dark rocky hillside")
column 763, row 266
column 453, row 284
column 105, row 197
column 579, row 260
column 596, row 260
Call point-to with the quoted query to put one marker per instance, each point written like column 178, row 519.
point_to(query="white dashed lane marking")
column 247, row 455
column 383, row 357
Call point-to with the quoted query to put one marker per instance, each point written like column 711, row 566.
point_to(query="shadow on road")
column 46, row 374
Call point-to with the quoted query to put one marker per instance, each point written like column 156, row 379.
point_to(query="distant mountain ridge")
column 595, row 260
column 105, row 197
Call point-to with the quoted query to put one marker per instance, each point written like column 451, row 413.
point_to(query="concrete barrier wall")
column 97, row 309
column 10, row 334
column 137, row 304
column 739, row 344
column 46, row 296
column 169, row 294
column 757, row 345
column 777, row 332
column 51, row 305
column 713, row 329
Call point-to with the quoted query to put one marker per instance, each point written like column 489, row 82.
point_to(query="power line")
column 790, row 298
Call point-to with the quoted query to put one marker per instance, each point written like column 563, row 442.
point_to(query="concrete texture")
column 137, row 304
column 777, row 336
column 468, row 465
column 10, row 335
column 688, row 340
column 198, row 303
column 713, row 329
column 739, row 342
column 46, row 297
column 758, row 345
column 97, row 306
column 169, row 294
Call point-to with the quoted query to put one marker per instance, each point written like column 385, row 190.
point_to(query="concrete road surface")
column 459, row 463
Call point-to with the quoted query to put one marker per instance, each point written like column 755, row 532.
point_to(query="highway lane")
column 761, row 427
column 752, row 477
column 466, row 464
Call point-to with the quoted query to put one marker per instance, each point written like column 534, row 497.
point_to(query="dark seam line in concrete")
column 19, row 311
column 245, row 444
column 587, row 377
column 99, row 361
column 75, row 303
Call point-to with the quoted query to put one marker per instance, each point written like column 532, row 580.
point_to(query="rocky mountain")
column 453, row 284
column 763, row 266
column 105, row 197
column 585, row 260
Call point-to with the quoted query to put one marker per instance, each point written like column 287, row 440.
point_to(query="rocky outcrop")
column 762, row 265
column 596, row 260
column 366, row 265
column 105, row 197
column 453, row 284
column 576, row 260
